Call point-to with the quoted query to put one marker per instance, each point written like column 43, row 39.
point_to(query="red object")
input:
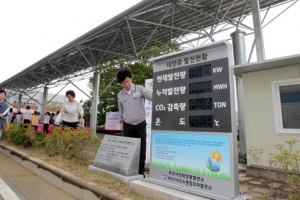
column 41, row 128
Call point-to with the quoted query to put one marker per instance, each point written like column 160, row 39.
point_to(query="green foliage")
column 17, row 135
column 32, row 136
column 54, row 143
column 87, row 107
column 40, row 137
column 13, row 129
column 77, row 144
column 287, row 162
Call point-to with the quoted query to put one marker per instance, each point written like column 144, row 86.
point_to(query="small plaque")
column 120, row 155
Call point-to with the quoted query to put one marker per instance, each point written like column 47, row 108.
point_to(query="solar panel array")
column 134, row 33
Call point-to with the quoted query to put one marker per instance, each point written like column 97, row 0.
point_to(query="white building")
column 34, row 100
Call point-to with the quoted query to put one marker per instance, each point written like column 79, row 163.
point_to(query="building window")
column 286, row 102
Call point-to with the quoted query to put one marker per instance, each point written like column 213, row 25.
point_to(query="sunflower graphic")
column 213, row 162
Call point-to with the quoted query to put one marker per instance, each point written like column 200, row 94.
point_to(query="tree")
column 54, row 106
column 87, row 105
column 109, row 87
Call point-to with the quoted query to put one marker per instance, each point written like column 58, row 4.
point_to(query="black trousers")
column 70, row 124
column 46, row 126
column 138, row 131
column 35, row 127
column 26, row 121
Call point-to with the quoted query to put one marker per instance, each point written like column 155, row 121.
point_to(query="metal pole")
column 95, row 100
column 45, row 102
column 239, row 47
column 239, row 51
column 259, row 39
column 57, row 93
column 19, row 102
column 80, row 89
column 241, row 118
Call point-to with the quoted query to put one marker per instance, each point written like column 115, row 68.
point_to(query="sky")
column 33, row 29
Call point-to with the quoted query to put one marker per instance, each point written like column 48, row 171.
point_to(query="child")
column 3, row 117
column 46, row 122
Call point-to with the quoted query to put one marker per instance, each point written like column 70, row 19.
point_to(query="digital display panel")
column 200, row 87
column 200, row 71
column 201, row 104
column 205, row 121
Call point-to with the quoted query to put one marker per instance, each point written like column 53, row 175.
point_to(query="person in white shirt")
column 46, row 122
column 18, row 117
column 27, row 115
column 57, row 118
column 71, row 109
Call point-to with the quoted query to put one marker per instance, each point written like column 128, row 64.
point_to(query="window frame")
column 277, row 106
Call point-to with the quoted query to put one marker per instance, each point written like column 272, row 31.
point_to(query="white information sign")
column 112, row 121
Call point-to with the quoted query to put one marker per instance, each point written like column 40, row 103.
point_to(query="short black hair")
column 28, row 107
column 121, row 76
column 2, row 91
column 70, row 92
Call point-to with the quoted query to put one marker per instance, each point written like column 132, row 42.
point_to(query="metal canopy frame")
column 126, row 36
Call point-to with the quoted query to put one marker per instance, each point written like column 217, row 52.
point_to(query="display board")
column 194, row 147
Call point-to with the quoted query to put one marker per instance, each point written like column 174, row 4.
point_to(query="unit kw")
column 217, row 69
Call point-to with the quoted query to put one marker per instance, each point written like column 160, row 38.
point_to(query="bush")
column 287, row 162
column 54, row 143
column 17, row 135
column 35, row 138
column 77, row 144
column 8, row 135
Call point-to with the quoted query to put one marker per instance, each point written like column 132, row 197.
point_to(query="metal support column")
column 95, row 100
column 259, row 39
column 241, row 118
column 45, row 101
column 239, row 51
column 19, row 102
column 239, row 47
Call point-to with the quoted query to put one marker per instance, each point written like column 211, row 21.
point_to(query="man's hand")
column 80, row 121
column 7, row 128
column 121, row 126
column 2, row 115
column 65, row 111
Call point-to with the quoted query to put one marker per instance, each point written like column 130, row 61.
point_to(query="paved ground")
column 15, row 180
column 255, row 187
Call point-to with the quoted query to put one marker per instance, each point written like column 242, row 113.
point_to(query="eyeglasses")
column 126, row 82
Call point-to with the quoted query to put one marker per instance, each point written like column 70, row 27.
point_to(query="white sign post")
column 148, row 108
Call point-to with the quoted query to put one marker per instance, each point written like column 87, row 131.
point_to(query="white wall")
column 259, row 112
